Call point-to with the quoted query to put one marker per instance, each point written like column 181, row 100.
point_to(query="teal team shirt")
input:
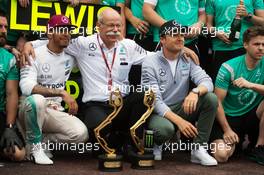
column 239, row 101
column 8, row 71
column 224, row 12
column 112, row 2
column 185, row 12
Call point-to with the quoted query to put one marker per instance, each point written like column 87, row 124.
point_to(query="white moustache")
column 111, row 33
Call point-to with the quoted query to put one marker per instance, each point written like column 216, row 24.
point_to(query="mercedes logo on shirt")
column 162, row 72
column 46, row 67
column 92, row 46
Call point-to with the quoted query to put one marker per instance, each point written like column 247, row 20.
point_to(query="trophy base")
column 110, row 162
column 142, row 162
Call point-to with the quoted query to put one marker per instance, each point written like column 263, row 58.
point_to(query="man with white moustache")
column 104, row 60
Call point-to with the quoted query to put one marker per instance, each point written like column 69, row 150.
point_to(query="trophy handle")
column 116, row 101
column 149, row 100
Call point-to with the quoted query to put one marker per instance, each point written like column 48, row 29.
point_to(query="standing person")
column 41, row 114
column 239, row 88
column 12, row 36
column 138, row 28
column 11, row 143
column 168, row 74
column 220, row 15
column 187, row 13
column 121, row 4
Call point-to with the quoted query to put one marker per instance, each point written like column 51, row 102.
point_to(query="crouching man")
column 169, row 73
column 43, row 83
column 11, row 142
column 239, row 87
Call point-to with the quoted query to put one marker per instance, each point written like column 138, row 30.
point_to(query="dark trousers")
column 193, row 46
column 146, row 43
column 2, row 123
column 219, row 57
column 117, row 133
column 205, row 49
column 241, row 125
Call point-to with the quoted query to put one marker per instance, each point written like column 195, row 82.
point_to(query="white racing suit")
column 42, row 119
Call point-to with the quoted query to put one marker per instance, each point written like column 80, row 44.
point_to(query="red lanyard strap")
column 106, row 63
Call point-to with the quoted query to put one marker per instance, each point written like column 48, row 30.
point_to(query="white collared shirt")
column 93, row 69
column 49, row 70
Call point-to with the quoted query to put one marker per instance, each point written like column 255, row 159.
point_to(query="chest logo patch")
column 92, row 46
column 162, row 72
column 230, row 12
column 46, row 67
column 183, row 6
column 247, row 97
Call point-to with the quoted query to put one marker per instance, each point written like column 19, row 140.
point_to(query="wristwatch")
column 196, row 91
column 249, row 17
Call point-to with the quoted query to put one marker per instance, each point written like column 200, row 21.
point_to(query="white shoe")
column 201, row 156
column 157, row 151
column 38, row 156
column 48, row 153
column 47, row 150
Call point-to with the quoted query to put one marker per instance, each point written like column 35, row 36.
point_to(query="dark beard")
column 2, row 39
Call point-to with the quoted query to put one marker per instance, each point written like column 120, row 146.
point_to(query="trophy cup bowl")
column 110, row 161
column 144, row 158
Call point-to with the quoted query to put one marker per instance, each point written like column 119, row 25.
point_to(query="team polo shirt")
column 224, row 12
column 95, row 75
column 49, row 69
column 8, row 71
column 239, row 101
column 185, row 12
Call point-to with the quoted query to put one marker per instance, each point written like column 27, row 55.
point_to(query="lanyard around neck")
column 106, row 63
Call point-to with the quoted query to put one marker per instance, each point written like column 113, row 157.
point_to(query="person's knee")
column 162, row 133
column 221, row 156
column 79, row 134
column 221, row 151
column 211, row 100
column 18, row 155
column 260, row 111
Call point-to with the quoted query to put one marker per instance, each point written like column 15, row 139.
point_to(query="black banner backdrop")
column 36, row 15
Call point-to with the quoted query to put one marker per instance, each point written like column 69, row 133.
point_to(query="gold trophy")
column 110, row 162
column 144, row 158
